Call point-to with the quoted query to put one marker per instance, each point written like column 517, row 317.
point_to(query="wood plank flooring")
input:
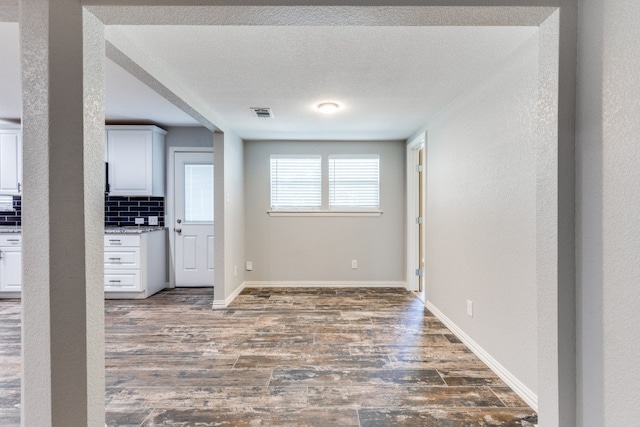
column 282, row 357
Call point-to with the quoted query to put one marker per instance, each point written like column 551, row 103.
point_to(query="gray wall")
column 234, row 209
column 229, row 216
column 608, row 205
column 481, row 214
column 309, row 249
column 178, row 136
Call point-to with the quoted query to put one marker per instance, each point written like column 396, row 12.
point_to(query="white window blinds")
column 354, row 181
column 296, row 182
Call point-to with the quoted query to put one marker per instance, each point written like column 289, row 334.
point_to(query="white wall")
column 310, row 249
column 608, row 219
column 481, row 214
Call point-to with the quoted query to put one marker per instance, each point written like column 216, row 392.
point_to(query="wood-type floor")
column 282, row 357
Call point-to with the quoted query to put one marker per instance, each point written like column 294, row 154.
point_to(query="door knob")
column 179, row 221
column 178, row 230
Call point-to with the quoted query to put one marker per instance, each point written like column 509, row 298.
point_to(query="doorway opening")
column 416, row 173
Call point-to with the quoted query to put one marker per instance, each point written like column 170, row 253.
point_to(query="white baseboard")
column 218, row 304
column 516, row 385
column 327, row 284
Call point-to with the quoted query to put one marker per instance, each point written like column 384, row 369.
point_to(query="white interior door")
column 193, row 218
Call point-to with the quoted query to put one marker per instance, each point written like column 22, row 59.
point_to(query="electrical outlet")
column 469, row 308
column 249, row 266
column 139, row 221
column 153, row 220
column 354, row 264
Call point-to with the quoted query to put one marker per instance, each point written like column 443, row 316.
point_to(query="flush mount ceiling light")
column 328, row 107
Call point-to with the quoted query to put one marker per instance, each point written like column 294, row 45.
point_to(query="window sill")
column 325, row 213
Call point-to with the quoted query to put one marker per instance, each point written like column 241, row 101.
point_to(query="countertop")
column 107, row 230
column 133, row 229
column 9, row 229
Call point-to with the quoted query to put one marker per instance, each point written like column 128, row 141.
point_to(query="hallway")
column 282, row 356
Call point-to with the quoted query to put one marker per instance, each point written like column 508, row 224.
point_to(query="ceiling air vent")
column 262, row 112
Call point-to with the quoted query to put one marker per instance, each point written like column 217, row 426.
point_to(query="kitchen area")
column 135, row 239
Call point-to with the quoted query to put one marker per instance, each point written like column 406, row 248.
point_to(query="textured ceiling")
column 389, row 79
column 127, row 99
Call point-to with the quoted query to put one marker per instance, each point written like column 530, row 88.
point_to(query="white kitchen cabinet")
column 10, row 265
column 136, row 160
column 134, row 264
column 10, row 161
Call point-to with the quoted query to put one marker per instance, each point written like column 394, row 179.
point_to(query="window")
column 198, row 193
column 296, row 182
column 354, row 182
column 334, row 185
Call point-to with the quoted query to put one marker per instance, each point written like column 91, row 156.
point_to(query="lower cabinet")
column 10, row 264
column 134, row 264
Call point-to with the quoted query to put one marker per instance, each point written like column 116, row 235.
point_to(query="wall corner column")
column 62, row 298
column 219, row 293
column 555, row 218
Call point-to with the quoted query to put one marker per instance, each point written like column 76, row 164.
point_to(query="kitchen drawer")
column 10, row 240
column 117, row 240
column 121, row 257
column 122, row 281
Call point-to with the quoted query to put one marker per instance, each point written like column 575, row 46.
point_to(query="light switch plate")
column 139, row 221
column 153, row 220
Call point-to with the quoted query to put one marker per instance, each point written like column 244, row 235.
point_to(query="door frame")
column 413, row 184
column 169, row 217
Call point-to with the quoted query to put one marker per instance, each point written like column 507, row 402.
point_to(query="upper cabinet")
column 10, row 161
column 136, row 160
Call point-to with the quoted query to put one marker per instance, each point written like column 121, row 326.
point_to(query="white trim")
column 512, row 381
column 421, row 296
column 412, row 209
column 327, row 284
column 325, row 213
column 152, row 128
column 218, row 304
column 169, row 202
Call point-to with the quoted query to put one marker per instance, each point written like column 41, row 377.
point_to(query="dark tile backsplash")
column 13, row 218
column 118, row 211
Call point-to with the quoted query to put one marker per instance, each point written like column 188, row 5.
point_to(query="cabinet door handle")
column 19, row 187
column 1, row 254
column 114, row 281
column 114, row 241
column 114, row 259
